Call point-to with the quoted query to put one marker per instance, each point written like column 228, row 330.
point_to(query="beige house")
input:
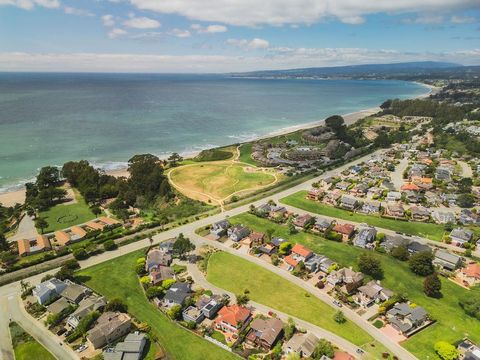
column 110, row 327
column 469, row 275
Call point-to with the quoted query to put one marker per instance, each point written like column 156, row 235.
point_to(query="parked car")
column 338, row 303
column 81, row 348
column 61, row 331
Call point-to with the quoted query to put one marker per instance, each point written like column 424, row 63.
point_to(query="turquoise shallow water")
column 48, row 119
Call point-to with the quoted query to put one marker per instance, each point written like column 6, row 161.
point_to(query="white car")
column 82, row 348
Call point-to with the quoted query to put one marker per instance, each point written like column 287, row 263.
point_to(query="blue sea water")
column 48, row 119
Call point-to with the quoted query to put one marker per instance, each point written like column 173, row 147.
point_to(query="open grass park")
column 428, row 230
column 452, row 324
column 117, row 279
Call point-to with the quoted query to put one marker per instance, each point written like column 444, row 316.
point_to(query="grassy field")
column 26, row 347
column 246, row 155
column 218, row 179
column 233, row 273
column 117, row 279
column 427, row 230
column 452, row 323
column 63, row 216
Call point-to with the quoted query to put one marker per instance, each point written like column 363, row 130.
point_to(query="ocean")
column 48, row 119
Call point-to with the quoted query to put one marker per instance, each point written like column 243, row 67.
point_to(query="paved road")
column 343, row 344
column 397, row 175
column 6, row 349
column 14, row 288
column 26, row 230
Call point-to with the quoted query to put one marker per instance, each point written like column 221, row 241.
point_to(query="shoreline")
column 15, row 195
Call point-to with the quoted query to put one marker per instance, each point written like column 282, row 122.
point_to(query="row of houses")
column 62, row 238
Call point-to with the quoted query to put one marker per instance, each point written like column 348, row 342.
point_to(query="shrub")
column 175, row 312
column 116, row 304
column 445, row 350
column 471, row 306
column 166, row 284
column 339, row 317
column 109, row 245
column 80, row 254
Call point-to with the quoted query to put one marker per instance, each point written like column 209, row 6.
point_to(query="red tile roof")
column 290, row 260
column 301, row 250
column 409, row 186
column 233, row 314
column 346, row 229
column 472, row 270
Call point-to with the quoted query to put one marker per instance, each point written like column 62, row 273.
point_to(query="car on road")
column 338, row 303
column 81, row 348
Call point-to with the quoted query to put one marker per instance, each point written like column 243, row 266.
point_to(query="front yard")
column 452, row 323
column 117, row 279
column 428, row 230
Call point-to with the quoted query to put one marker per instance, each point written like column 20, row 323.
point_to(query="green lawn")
column 234, row 274
column 427, row 230
column 117, row 278
column 26, row 347
column 63, row 216
column 452, row 323
column 246, row 155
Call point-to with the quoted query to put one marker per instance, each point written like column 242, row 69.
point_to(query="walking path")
column 26, row 230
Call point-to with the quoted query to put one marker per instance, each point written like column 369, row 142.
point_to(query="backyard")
column 62, row 216
column 452, row 323
column 25, row 346
column 117, row 279
column 428, row 230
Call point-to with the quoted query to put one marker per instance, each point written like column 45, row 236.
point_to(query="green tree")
column 339, row 317
column 289, row 329
column 400, row 253
column 109, row 245
column 96, row 210
column 370, row 265
column 421, row 263
column 41, row 223
column 285, row 248
column 471, row 305
column 182, row 245
column 4, row 245
column 323, row 348
column 445, row 350
column 49, row 176
column 80, row 254
column 432, row 285
column 242, row 299
column 174, row 159
column 116, row 304
column 153, row 292
column 175, row 312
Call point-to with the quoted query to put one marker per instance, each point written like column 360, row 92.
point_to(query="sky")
column 210, row 36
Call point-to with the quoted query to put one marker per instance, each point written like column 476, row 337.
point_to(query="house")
column 177, row 294
column 370, row 207
column 432, row 199
column 348, row 279
column 61, row 238
column 301, row 221
column 470, row 274
column 413, row 197
column 374, row 192
column 301, row 253
column 220, row 228
column 156, row 258
column 416, row 247
column 331, row 198
column 27, row 247
column 161, row 273
column 256, row 238
column 278, row 212
column 48, row 290
column 209, row 305
column 372, row 292
column 359, row 190
column 326, row 264
column 167, row 246
column 110, row 327
column 238, row 232
column 467, row 350
column 314, row 262
column 346, row 230
column 276, row 242
column 58, row 306
column 393, row 196
column 302, row 344
column 85, row 307
column 348, row 203
column 322, row 224
column 467, row 217
column 77, row 233
column 342, row 185
column 395, row 210
column 447, row 260
column 193, row 314
column 393, row 241
column 419, row 213
column 461, row 236
column 131, row 348
column 409, row 187
column 315, row 194
column 405, row 318
column 365, row 236
column 233, row 319
column 74, row 293
column 264, row 333
column 443, row 174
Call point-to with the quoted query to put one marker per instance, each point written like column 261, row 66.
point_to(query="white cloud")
column 210, row 29
column 253, row 44
column 277, row 58
column 142, row 23
column 108, row 20
column 78, row 12
column 30, row 4
column 181, row 33
column 425, row 19
column 151, row 35
column 462, row 19
column 276, row 12
column 116, row 32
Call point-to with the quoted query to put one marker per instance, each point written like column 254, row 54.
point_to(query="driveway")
column 397, row 175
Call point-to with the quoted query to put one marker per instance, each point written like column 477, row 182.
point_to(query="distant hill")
column 395, row 70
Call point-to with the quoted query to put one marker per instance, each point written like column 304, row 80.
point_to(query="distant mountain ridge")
column 393, row 70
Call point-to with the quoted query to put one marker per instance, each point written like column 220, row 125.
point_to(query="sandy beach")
column 18, row 196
